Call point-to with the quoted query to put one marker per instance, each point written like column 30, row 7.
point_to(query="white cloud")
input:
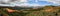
column 28, row 5
column 23, row 0
column 54, row 1
column 22, row 4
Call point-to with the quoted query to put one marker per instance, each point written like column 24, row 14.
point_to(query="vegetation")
column 44, row 11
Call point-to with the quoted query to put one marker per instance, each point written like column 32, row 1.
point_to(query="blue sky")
column 41, row 2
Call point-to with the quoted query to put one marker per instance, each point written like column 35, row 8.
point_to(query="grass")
column 45, row 11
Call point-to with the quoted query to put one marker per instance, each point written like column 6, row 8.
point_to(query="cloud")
column 54, row 1
column 29, row 5
column 22, row 0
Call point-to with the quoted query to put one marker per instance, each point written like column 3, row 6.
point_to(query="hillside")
column 43, row 11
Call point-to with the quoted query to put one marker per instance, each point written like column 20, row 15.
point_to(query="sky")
column 45, row 2
column 34, row 3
